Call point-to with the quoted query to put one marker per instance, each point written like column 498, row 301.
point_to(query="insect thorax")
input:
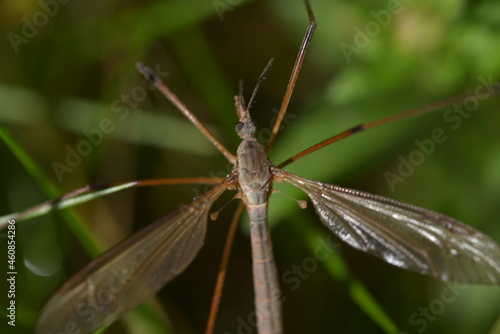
column 253, row 171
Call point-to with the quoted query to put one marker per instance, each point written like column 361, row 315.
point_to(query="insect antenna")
column 261, row 77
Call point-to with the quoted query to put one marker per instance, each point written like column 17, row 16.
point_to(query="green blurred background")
column 75, row 69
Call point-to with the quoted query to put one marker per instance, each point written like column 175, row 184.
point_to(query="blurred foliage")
column 66, row 68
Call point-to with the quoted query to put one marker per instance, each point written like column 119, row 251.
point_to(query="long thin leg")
column 293, row 77
column 495, row 90
column 146, row 72
column 91, row 192
column 223, row 269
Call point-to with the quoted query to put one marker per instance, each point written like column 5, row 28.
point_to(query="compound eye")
column 239, row 126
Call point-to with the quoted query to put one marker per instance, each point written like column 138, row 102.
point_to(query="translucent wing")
column 404, row 235
column 122, row 278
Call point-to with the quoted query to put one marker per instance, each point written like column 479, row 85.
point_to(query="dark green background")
column 66, row 78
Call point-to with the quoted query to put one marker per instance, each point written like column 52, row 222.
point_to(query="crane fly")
column 401, row 234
